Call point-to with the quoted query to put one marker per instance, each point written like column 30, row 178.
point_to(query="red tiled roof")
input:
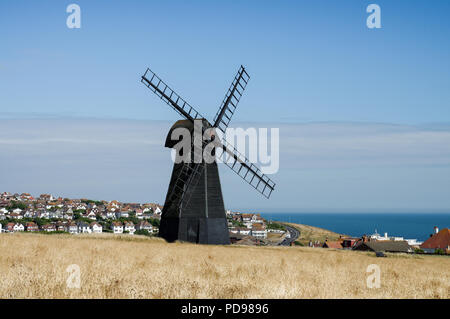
column 439, row 240
column 332, row 244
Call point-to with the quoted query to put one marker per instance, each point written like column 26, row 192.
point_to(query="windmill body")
column 194, row 209
column 198, row 215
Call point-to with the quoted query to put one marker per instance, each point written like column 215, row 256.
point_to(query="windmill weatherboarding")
column 194, row 210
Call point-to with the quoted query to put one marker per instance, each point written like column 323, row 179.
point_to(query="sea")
column 409, row 226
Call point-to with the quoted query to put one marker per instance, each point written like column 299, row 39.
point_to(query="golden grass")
column 34, row 266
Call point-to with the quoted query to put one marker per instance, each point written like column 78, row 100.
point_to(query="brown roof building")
column 439, row 240
column 384, row 246
column 332, row 244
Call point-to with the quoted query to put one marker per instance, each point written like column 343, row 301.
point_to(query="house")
column 9, row 227
column 139, row 213
column 17, row 211
column 96, row 228
column 25, row 197
column 117, row 227
column 111, row 214
column 122, row 214
column 259, row 231
column 31, row 227
column 129, row 227
column 28, row 214
column 244, row 231
column 393, row 246
column 18, row 227
column 91, row 214
column 60, row 226
column 44, row 214
column 49, row 228
column 332, row 244
column 257, row 219
column 438, row 240
column 16, row 216
column 348, row 242
column 72, row 228
column 46, row 197
column 144, row 225
column 84, row 227
column 157, row 211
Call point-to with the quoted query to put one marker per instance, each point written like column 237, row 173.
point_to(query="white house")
column 18, row 227
column 122, row 214
column 83, row 228
column 129, row 227
column 91, row 215
column 49, row 228
column 45, row 214
column 259, row 231
column 144, row 225
column 117, row 227
column 28, row 214
column 72, row 228
column 110, row 214
column 244, row 231
column 96, row 227
column 157, row 211
column 17, row 211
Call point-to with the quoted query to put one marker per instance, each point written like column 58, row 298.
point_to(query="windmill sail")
column 161, row 89
column 231, row 100
column 248, row 171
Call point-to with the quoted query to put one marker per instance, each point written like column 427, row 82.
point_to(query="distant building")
column 49, row 228
column 259, row 231
column 117, row 227
column 438, row 240
column 144, row 225
column 332, row 244
column 96, row 228
column 32, row 227
column 84, row 228
column 72, row 228
column 129, row 227
column 384, row 246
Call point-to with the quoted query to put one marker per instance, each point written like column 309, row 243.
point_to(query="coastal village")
column 50, row 215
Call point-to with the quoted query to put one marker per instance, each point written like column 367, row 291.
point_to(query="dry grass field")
column 34, row 266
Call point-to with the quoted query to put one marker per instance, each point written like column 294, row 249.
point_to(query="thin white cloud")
column 323, row 166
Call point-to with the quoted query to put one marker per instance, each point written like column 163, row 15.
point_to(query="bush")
column 142, row 232
column 439, row 251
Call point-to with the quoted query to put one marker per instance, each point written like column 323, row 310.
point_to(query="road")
column 294, row 235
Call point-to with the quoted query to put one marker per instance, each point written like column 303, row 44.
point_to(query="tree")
column 16, row 204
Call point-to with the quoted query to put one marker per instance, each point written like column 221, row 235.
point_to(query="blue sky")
column 311, row 62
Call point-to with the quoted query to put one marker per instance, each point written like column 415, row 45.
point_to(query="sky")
column 363, row 113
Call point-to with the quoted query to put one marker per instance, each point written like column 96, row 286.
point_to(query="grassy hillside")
column 34, row 266
column 312, row 233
